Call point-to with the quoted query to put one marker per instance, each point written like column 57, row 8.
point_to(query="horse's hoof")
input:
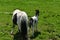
column 12, row 33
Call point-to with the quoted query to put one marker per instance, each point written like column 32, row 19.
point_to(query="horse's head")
column 37, row 12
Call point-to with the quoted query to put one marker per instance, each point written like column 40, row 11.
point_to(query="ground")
column 49, row 18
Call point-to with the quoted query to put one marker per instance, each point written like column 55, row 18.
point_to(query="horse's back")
column 20, row 15
column 35, row 18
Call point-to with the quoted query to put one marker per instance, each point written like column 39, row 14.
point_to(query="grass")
column 49, row 18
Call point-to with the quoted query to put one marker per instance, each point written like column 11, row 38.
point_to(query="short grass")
column 49, row 18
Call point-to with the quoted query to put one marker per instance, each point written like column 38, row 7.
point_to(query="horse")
column 20, row 18
column 33, row 21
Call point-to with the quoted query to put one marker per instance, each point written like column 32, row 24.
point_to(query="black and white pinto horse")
column 20, row 18
column 33, row 21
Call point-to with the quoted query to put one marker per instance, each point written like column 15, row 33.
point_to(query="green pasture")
column 49, row 17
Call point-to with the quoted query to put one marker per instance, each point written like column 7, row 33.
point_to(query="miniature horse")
column 20, row 18
column 33, row 21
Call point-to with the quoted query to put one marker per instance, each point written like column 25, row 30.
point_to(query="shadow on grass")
column 35, row 34
column 17, row 36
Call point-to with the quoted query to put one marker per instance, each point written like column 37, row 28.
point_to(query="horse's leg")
column 12, row 29
column 19, row 28
column 28, row 30
column 36, row 26
column 14, row 20
column 33, row 29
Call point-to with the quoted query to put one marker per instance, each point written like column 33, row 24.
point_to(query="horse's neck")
column 37, row 16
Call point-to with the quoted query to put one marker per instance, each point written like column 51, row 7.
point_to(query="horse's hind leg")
column 36, row 26
column 33, row 29
column 12, row 29
column 14, row 19
column 19, row 28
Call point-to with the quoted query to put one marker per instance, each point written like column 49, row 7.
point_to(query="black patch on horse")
column 30, row 22
column 15, row 19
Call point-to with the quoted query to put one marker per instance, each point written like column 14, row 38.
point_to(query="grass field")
column 49, row 18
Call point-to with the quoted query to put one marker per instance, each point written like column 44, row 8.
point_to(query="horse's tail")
column 24, row 29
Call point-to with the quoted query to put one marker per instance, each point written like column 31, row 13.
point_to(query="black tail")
column 24, row 30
